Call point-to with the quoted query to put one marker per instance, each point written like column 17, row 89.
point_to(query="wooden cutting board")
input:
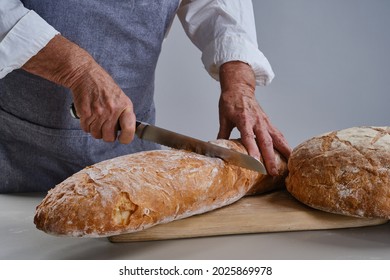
column 273, row 212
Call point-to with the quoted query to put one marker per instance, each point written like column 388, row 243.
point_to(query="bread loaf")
column 136, row 191
column 344, row 172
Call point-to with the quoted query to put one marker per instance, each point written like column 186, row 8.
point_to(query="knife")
column 175, row 140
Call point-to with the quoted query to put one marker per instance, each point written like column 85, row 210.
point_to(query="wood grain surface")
column 273, row 212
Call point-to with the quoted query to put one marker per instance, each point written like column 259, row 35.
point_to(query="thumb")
column 127, row 125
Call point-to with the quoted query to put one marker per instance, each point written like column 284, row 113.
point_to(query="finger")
column 264, row 141
column 109, row 131
column 95, row 122
column 224, row 130
column 281, row 144
column 127, row 124
column 249, row 142
column 95, row 129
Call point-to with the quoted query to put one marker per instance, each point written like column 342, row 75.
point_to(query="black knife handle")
column 73, row 112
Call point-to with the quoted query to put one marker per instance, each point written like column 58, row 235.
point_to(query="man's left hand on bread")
column 239, row 108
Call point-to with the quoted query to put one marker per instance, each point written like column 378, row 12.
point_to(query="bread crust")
column 134, row 192
column 345, row 172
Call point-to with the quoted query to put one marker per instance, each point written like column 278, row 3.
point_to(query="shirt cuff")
column 23, row 41
column 229, row 48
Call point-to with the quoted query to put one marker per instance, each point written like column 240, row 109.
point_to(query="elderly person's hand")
column 239, row 108
column 99, row 102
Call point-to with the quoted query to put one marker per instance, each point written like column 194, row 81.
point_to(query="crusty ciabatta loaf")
column 344, row 172
column 136, row 191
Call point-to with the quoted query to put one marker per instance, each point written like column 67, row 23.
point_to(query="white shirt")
column 223, row 30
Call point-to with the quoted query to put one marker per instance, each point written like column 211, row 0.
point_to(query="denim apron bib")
column 40, row 143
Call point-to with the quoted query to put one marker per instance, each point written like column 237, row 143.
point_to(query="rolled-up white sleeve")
column 23, row 33
column 224, row 30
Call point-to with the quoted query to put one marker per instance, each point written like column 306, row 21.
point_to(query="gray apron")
column 40, row 144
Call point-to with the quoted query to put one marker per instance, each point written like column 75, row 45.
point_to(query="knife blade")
column 175, row 140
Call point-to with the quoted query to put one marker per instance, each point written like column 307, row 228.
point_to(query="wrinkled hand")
column 101, row 105
column 239, row 108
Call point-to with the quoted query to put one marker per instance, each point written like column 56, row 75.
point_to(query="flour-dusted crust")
column 136, row 191
column 345, row 172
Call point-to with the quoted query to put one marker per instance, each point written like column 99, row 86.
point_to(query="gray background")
column 331, row 60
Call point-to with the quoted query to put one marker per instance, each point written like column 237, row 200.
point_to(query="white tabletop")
column 21, row 240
